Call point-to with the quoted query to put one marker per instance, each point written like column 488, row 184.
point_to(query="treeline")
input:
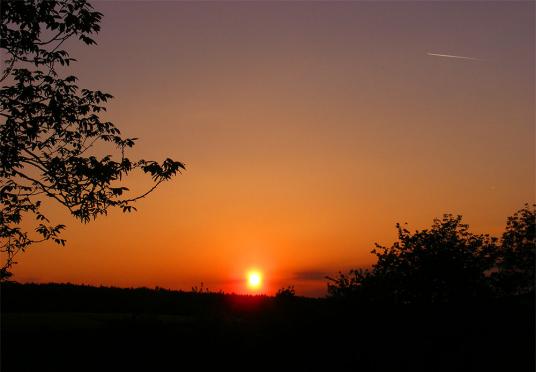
column 54, row 297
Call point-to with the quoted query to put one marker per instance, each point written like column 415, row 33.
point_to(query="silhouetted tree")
column 49, row 127
column 441, row 264
column 285, row 293
column 517, row 253
column 200, row 289
column 353, row 284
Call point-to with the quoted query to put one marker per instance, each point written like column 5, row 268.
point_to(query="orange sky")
column 308, row 131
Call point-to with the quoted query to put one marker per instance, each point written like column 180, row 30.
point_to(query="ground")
column 68, row 327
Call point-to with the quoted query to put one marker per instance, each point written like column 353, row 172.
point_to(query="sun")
column 254, row 279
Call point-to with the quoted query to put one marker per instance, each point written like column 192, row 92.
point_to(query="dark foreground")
column 74, row 328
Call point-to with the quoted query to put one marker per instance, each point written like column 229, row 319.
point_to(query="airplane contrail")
column 452, row 56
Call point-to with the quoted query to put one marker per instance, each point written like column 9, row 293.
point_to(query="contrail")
column 452, row 56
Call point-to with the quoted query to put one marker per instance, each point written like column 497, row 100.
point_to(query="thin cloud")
column 310, row 275
column 452, row 56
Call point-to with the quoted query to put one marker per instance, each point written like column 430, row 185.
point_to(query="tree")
column 517, row 253
column 352, row 285
column 285, row 294
column 442, row 264
column 50, row 126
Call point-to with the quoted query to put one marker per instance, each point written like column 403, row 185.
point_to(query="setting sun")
column 254, row 280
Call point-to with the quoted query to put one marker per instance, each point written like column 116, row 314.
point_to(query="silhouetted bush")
column 285, row 293
column 200, row 289
column 517, row 253
column 446, row 263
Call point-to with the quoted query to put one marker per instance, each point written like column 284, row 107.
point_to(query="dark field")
column 71, row 328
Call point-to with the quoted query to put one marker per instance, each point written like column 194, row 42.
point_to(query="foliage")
column 200, row 289
column 441, row 264
column 349, row 285
column 447, row 263
column 515, row 274
column 50, row 126
column 285, row 293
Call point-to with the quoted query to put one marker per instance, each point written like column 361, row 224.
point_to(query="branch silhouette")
column 50, row 125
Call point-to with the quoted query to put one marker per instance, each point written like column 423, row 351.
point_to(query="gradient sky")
column 308, row 130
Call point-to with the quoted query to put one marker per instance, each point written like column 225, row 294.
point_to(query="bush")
column 515, row 264
column 447, row 263
column 285, row 293
column 441, row 264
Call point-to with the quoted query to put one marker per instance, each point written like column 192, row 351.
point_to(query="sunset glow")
column 308, row 130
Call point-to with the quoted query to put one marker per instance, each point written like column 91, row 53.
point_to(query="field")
column 57, row 327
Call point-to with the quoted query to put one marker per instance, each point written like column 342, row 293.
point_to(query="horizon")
column 308, row 131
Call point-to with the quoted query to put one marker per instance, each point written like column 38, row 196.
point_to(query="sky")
column 308, row 129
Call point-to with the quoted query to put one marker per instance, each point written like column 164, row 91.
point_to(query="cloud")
column 452, row 56
column 310, row 275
